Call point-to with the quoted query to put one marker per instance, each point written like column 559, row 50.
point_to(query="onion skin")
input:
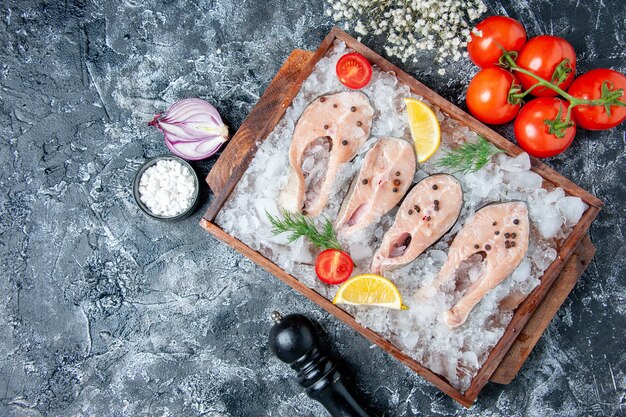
column 193, row 129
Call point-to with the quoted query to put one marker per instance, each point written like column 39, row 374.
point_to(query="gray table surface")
column 105, row 312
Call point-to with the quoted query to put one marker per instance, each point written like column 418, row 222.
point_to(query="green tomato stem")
column 605, row 100
column 525, row 93
column 542, row 82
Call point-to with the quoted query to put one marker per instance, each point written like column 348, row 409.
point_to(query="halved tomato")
column 354, row 71
column 333, row 266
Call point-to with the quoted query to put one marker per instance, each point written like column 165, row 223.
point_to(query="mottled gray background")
column 107, row 313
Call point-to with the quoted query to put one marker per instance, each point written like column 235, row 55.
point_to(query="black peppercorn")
column 344, row 142
column 507, row 235
column 497, row 232
column 512, row 244
column 359, row 123
column 396, row 182
column 427, row 218
column 410, row 212
column 352, row 109
column 326, row 127
column 436, row 202
column 322, row 99
column 334, row 106
column 394, row 189
column 397, row 173
column 488, row 247
column 494, row 223
column 364, row 181
column 516, row 221
column 513, row 235
column 417, row 208
column 436, row 208
column 435, row 187
column 476, row 246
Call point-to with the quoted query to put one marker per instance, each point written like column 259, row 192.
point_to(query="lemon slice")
column 424, row 129
column 370, row 290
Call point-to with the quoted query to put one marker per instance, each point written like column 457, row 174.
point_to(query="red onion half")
column 193, row 129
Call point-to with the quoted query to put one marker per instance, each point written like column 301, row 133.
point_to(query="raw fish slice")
column 500, row 232
column 419, row 222
column 327, row 135
column 385, row 176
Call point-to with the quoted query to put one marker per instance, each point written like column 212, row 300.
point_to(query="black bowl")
column 196, row 194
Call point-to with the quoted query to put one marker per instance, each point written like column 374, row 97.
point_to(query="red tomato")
column 333, row 266
column 542, row 55
column 354, row 71
column 497, row 31
column 532, row 132
column 488, row 94
column 589, row 86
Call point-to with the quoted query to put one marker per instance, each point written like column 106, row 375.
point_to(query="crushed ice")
column 420, row 332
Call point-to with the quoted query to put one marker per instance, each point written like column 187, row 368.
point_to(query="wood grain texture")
column 544, row 314
column 260, row 123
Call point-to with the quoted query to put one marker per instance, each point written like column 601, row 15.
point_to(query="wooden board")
column 265, row 115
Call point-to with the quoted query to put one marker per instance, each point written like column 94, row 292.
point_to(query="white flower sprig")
column 442, row 26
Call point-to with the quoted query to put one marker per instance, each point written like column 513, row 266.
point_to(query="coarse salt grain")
column 167, row 188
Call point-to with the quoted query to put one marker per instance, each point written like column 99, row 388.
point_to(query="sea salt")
column 167, row 188
column 456, row 354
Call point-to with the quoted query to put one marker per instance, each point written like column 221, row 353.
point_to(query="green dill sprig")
column 469, row 157
column 299, row 225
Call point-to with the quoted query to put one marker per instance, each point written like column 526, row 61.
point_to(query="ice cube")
column 572, row 209
column 438, row 256
column 554, row 195
column 263, row 206
column 525, row 180
column 410, row 340
column 543, row 258
column 518, row 164
column 522, row 272
column 360, row 251
column 300, row 251
column 548, row 220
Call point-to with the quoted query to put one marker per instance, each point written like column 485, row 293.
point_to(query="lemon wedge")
column 424, row 129
column 370, row 290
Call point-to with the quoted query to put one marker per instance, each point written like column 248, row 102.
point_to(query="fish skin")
column 499, row 262
column 342, row 125
column 424, row 233
column 367, row 203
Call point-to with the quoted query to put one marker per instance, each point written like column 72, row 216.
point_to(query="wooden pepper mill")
column 294, row 340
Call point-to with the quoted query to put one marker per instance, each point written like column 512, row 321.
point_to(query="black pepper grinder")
column 294, row 340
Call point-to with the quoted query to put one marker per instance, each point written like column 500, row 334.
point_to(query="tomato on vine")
column 494, row 34
column 549, row 57
column 541, row 128
column 592, row 86
column 488, row 97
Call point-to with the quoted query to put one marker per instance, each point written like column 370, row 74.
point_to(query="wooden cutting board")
column 531, row 317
